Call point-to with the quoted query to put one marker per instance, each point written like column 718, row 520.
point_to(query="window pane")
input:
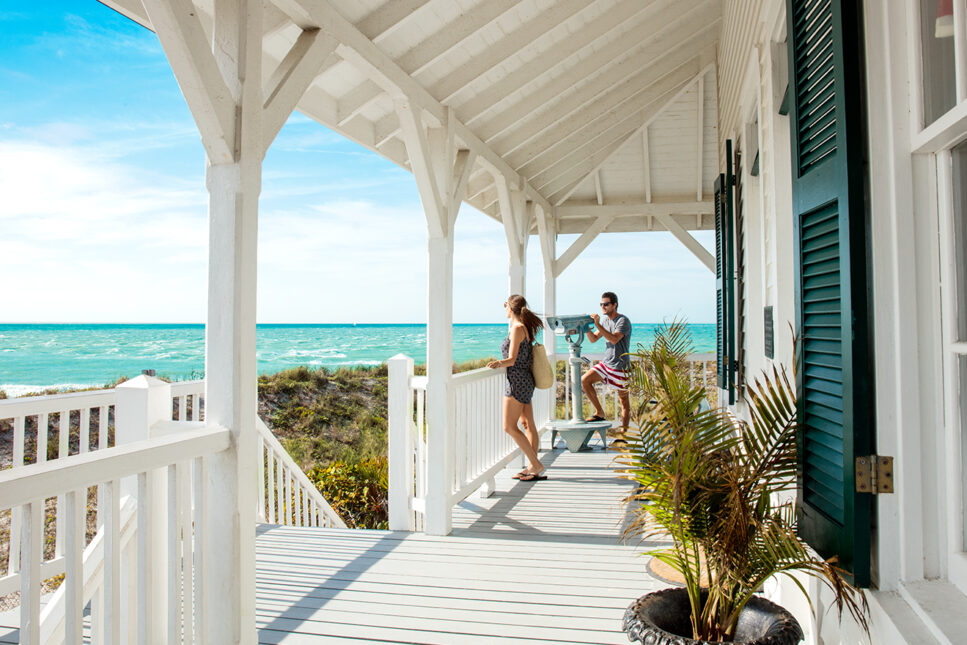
column 937, row 41
column 959, row 292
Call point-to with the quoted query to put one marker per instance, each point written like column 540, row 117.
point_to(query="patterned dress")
column 520, row 379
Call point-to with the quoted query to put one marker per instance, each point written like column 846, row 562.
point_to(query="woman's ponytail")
column 531, row 322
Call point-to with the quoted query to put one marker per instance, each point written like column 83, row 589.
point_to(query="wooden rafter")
column 646, row 163
column 573, row 251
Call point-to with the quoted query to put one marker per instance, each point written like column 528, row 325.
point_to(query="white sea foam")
column 18, row 389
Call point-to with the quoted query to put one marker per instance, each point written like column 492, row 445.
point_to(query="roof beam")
column 636, row 208
column 690, row 242
column 421, row 163
column 291, row 78
column 597, row 187
column 359, row 50
column 616, row 61
column 211, row 101
column 628, row 224
column 581, row 243
column 510, row 203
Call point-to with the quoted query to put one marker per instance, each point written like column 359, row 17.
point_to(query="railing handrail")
column 181, row 388
column 307, row 486
column 19, row 486
column 694, row 357
column 478, row 374
column 49, row 403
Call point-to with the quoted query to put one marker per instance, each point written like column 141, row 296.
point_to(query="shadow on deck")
column 537, row 561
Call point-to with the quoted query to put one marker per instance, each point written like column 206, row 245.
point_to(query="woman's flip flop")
column 532, row 477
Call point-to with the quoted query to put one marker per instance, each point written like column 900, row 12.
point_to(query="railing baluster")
column 31, row 540
column 200, row 533
column 270, row 481
column 112, row 563
column 288, row 497
column 174, row 557
column 279, row 492
column 84, row 431
column 63, row 450
column 145, row 593
column 260, row 514
column 74, row 559
column 182, row 400
column 16, row 514
column 42, row 421
column 184, row 537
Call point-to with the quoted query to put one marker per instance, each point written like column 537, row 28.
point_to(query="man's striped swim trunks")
column 615, row 378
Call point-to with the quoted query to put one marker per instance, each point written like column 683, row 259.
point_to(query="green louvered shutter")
column 724, row 282
column 740, row 267
column 834, row 374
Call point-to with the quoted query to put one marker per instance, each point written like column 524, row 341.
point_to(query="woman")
column 516, row 350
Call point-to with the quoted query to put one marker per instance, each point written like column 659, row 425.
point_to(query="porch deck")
column 535, row 562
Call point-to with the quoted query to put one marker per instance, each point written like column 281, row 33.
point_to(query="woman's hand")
column 493, row 364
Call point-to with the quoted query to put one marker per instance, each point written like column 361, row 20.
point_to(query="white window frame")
column 936, row 141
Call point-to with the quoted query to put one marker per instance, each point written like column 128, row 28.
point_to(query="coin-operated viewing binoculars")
column 576, row 431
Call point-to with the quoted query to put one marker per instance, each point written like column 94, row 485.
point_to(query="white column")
column 548, row 241
column 231, row 396
column 439, row 371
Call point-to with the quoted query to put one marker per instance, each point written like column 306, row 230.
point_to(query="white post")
column 548, row 238
column 400, row 408
column 231, row 395
column 439, row 372
column 142, row 402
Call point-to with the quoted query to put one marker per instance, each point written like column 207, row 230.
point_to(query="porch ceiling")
column 592, row 107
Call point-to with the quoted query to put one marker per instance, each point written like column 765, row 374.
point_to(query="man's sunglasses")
column 605, row 304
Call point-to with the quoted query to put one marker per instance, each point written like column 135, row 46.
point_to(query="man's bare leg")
column 587, row 384
column 625, row 401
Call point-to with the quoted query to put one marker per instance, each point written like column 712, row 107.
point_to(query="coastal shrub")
column 358, row 492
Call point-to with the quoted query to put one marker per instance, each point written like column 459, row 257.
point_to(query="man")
column 614, row 370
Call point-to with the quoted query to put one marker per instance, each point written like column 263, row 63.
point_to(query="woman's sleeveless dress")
column 520, row 379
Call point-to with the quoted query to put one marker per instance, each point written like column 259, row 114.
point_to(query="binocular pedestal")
column 576, row 431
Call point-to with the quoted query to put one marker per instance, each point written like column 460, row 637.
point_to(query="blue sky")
column 103, row 208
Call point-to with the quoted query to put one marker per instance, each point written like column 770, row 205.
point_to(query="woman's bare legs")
column 530, row 427
column 513, row 410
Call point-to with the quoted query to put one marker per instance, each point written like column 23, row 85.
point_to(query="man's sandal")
column 597, row 417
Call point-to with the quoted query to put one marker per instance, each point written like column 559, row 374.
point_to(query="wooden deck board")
column 535, row 562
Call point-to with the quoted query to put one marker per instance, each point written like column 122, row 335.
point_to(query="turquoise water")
column 38, row 356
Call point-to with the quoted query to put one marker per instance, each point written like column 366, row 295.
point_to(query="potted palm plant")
column 717, row 487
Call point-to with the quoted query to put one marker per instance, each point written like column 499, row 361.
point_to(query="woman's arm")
column 517, row 334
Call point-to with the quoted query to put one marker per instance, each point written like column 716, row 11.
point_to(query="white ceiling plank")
column 448, row 37
column 690, row 242
column 291, row 78
column 388, row 17
column 700, row 126
column 527, row 145
column 522, row 36
column 580, row 166
column 430, row 50
column 646, row 162
column 581, row 243
column 620, row 59
column 554, row 160
column 210, row 100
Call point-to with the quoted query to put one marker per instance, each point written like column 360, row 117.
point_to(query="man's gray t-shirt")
column 615, row 354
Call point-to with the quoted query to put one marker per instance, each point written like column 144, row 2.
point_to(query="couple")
column 615, row 328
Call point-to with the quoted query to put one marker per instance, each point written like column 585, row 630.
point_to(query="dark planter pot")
column 660, row 617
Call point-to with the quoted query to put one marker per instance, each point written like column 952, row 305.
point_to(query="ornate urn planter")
column 661, row 617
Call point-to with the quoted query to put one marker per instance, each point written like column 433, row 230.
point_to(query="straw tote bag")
column 541, row 368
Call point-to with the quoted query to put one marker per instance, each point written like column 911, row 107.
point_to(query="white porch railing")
column 81, row 427
column 479, row 446
column 130, row 596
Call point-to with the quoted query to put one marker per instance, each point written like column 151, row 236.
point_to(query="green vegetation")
column 356, row 491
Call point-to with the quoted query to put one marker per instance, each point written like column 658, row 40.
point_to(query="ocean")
column 35, row 357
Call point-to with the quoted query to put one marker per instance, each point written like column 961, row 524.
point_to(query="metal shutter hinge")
column 874, row 474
